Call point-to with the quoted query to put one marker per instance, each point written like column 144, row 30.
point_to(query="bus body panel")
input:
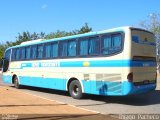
column 143, row 52
column 101, row 75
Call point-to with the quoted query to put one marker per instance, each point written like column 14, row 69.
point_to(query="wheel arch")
column 72, row 79
column 13, row 76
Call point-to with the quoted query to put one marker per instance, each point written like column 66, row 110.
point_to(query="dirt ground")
column 18, row 105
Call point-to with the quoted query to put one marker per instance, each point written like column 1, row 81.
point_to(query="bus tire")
column 75, row 89
column 16, row 83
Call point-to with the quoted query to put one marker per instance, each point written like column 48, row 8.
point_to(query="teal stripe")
column 91, row 86
column 104, row 63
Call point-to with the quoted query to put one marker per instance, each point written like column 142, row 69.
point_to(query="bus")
column 115, row 62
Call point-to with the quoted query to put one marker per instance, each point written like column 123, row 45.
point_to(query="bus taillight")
column 130, row 77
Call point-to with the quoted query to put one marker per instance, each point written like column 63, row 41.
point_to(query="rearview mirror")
column 4, row 64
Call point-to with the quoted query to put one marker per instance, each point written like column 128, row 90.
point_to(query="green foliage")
column 153, row 24
column 84, row 29
column 58, row 33
column 27, row 36
column 2, row 49
column 1, row 53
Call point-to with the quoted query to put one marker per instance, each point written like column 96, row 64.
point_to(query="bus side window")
column 13, row 57
column 63, row 48
column 117, row 42
column 7, row 54
column 54, row 50
column 28, row 52
column 94, row 46
column 72, row 48
column 111, row 44
column 23, row 53
column 40, row 51
column 47, row 50
column 106, row 45
column 34, row 52
column 83, row 47
column 18, row 54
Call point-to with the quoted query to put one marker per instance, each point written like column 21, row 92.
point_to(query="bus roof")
column 39, row 41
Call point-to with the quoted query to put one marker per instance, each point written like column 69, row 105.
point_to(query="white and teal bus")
column 115, row 62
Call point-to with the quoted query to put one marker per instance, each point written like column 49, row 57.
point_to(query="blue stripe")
column 110, row 63
column 103, row 63
column 7, row 78
column 90, row 86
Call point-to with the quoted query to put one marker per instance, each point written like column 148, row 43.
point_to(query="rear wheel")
column 75, row 89
column 16, row 82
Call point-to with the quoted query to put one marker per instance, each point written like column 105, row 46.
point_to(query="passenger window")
column 72, row 48
column 47, row 50
column 17, row 54
column 106, row 45
column 63, row 48
column 111, row 44
column 83, row 47
column 28, row 52
column 117, row 42
column 34, row 52
column 13, row 54
column 94, row 46
column 54, row 50
column 40, row 51
column 23, row 53
column 7, row 54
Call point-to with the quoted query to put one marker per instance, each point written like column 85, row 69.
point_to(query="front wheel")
column 75, row 89
column 16, row 83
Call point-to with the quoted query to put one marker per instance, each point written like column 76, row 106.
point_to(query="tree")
column 84, row 29
column 153, row 24
column 2, row 49
column 27, row 36
column 58, row 33
column 1, row 52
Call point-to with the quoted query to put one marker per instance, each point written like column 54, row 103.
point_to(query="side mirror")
column 5, row 64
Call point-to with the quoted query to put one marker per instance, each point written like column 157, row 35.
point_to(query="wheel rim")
column 75, row 90
column 16, row 82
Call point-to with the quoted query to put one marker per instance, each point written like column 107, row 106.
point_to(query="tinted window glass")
column 23, row 53
column 17, row 54
column 106, row 44
column 54, row 50
column 28, row 52
column 13, row 54
column 40, row 51
column 83, row 50
column 117, row 42
column 72, row 48
column 7, row 54
column 94, row 46
column 34, row 52
column 111, row 44
column 63, row 48
column 47, row 50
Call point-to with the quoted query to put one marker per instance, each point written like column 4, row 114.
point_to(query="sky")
column 17, row 16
